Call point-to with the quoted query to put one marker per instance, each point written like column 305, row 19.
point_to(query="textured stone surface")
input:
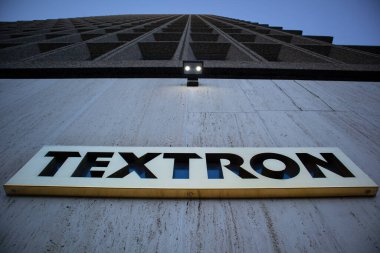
column 164, row 112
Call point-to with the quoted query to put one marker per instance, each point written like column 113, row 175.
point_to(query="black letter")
column 214, row 167
column 89, row 161
column 181, row 163
column 291, row 167
column 135, row 164
column 59, row 157
column 332, row 164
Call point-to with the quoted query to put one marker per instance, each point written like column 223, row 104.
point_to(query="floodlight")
column 192, row 70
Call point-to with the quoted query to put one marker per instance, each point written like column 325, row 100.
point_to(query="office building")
column 120, row 81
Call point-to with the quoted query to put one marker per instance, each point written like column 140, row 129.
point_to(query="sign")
column 184, row 172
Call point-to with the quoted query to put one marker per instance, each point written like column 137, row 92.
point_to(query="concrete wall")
column 164, row 112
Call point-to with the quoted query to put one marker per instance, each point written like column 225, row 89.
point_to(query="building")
column 119, row 81
column 156, row 45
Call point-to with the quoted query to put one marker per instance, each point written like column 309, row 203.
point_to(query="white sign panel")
column 177, row 172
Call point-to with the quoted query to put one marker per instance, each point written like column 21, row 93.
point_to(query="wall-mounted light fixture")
column 192, row 70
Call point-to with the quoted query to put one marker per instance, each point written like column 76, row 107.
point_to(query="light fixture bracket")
column 192, row 70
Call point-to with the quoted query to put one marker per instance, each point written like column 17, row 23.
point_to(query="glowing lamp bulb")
column 198, row 68
column 187, row 68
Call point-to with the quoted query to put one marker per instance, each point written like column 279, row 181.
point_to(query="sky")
column 350, row 22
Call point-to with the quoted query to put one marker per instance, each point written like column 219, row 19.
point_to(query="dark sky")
column 349, row 21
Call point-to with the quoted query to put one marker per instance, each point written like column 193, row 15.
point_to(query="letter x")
column 135, row 164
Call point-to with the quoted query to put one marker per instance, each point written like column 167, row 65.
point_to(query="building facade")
column 119, row 81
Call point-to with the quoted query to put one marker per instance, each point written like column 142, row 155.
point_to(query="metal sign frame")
column 210, row 173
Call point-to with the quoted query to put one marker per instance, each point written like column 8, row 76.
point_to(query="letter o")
column 291, row 167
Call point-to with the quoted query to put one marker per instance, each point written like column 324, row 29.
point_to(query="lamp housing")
column 192, row 70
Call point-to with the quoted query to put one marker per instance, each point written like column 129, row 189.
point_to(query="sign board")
column 190, row 172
